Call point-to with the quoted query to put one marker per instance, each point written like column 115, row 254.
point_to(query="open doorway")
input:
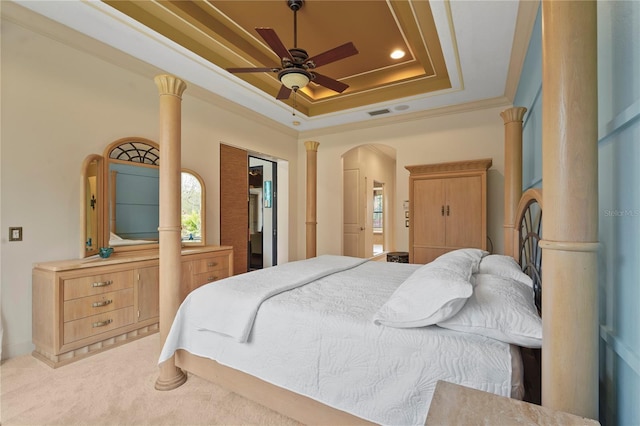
column 378, row 218
column 368, row 178
column 262, row 251
column 235, row 165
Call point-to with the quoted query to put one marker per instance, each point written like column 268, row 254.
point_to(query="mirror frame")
column 99, row 200
column 104, row 201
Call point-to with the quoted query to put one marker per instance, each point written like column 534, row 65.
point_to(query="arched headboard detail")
column 529, row 229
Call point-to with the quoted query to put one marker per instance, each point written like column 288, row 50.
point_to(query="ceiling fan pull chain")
column 293, row 107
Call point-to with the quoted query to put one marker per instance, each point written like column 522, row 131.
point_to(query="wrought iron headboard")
column 529, row 228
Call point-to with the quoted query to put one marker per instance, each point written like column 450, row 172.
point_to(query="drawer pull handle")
column 102, row 283
column 102, row 323
column 102, row 303
column 211, row 264
column 212, row 278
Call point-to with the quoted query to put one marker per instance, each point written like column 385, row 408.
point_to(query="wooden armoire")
column 447, row 208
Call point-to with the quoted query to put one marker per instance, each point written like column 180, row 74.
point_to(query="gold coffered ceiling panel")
column 223, row 32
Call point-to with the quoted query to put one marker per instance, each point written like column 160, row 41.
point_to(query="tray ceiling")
column 223, row 32
column 459, row 54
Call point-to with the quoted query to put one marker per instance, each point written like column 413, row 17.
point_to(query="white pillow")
column 500, row 308
column 504, row 266
column 476, row 256
column 434, row 292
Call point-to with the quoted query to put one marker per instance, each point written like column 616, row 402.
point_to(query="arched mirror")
column 120, row 201
column 91, row 205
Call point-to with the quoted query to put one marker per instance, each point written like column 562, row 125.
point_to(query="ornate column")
column 171, row 89
column 570, row 199
column 312, row 186
column 512, row 174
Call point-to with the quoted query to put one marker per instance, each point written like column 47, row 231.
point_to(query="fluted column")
column 570, row 199
column 171, row 89
column 512, row 174
column 312, row 186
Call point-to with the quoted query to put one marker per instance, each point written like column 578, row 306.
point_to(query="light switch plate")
column 15, row 233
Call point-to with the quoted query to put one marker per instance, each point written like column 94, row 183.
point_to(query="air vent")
column 379, row 112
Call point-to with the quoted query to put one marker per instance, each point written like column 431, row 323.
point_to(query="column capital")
column 311, row 145
column 170, row 85
column 513, row 114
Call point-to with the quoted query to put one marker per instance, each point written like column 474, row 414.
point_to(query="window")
column 377, row 209
column 192, row 219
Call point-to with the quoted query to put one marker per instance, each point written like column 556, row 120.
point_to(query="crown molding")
column 500, row 101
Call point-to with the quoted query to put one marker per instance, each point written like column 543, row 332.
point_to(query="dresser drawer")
column 207, row 277
column 210, row 264
column 97, row 284
column 92, row 305
column 96, row 324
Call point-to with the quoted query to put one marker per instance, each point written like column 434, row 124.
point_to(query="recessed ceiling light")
column 402, row 107
column 397, row 54
column 296, row 123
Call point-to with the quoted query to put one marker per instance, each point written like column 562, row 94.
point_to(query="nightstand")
column 459, row 405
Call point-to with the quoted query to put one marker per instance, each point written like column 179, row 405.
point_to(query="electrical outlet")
column 15, row 233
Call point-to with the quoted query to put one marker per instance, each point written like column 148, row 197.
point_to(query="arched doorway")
column 368, row 198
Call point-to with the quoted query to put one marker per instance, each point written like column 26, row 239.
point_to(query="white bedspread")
column 230, row 309
column 319, row 340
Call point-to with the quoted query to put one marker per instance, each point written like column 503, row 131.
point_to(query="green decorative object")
column 105, row 252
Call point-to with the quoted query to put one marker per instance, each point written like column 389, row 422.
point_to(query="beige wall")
column 451, row 137
column 59, row 105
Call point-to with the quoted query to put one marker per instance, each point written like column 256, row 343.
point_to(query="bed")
column 384, row 352
column 337, row 340
column 366, row 338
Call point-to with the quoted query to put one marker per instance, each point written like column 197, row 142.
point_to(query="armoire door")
column 234, row 204
column 428, row 212
column 463, row 212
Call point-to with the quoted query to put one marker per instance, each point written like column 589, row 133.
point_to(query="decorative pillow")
column 476, row 256
column 500, row 308
column 504, row 266
column 434, row 292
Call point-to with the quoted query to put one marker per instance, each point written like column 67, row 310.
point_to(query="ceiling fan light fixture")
column 294, row 79
column 294, row 74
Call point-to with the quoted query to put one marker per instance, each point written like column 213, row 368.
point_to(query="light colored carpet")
column 116, row 387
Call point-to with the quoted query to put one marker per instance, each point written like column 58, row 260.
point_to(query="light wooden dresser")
column 447, row 208
column 84, row 306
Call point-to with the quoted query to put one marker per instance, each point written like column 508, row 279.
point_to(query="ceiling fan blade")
column 237, row 70
column 335, row 54
column 330, row 83
column 274, row 42
column 284, row 92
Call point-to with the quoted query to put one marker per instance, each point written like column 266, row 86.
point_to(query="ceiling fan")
column 297, row 68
